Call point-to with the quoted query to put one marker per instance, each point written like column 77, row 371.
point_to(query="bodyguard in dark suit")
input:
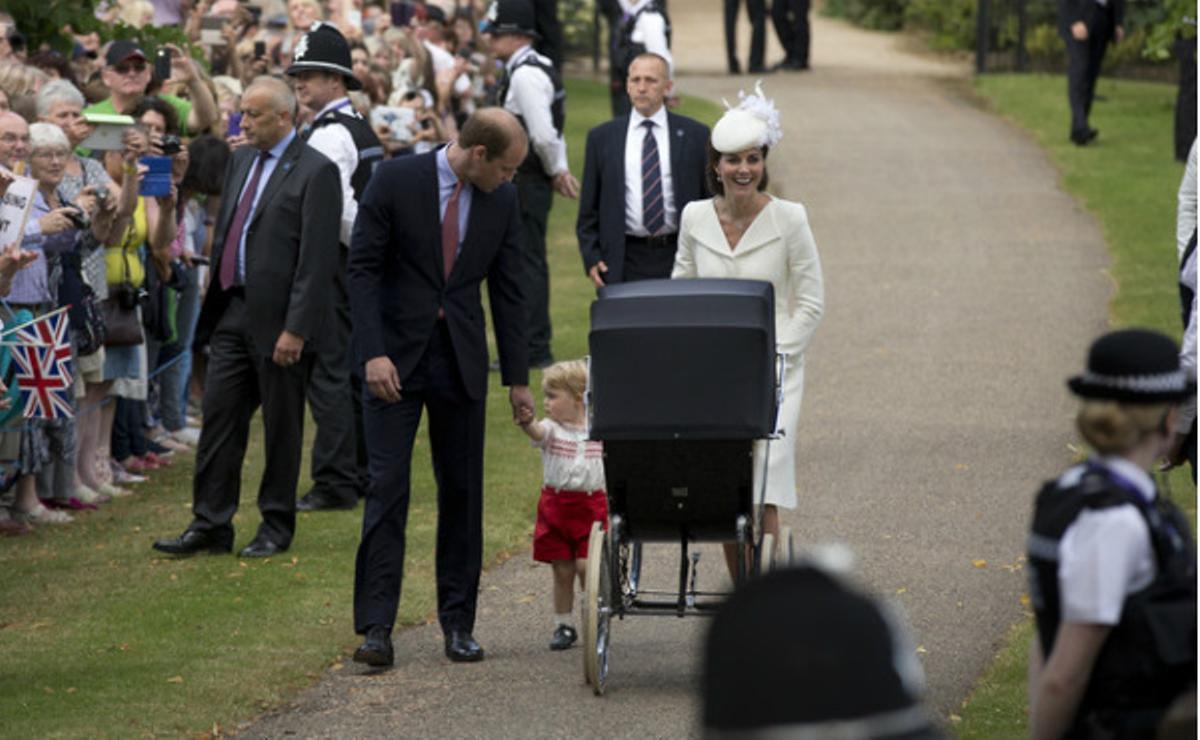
column 1087, row 26
column 262, row 317
column 430, row 229
column 756, row 10
column 635, row 187
column 791, row 26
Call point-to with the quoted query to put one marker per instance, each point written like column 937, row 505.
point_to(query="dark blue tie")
column 653, row 210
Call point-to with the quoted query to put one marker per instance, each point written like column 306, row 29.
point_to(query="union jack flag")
column 43, row 382
column 49, row 331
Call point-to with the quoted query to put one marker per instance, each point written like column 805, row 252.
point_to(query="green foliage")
column 578, row 23
column 43, row 21
column 881, row 15
column 1046, row 48
column 1163, row 34
column 950, row 23
column 46, row 22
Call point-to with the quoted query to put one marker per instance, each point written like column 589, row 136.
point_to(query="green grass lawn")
column 102, row 638
column 1129, row 181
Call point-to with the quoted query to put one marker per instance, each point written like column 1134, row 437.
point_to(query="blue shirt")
column 446, row 182
column 268, row 168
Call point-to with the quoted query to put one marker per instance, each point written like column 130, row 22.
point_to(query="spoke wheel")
column 598, row 608
column 787, row 548
column 766, row 555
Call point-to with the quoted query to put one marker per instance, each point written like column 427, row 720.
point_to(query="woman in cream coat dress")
column 745, row 233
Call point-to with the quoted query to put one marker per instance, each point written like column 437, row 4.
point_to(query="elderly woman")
column 743, row 232
column 60, row 103
column 53, row 230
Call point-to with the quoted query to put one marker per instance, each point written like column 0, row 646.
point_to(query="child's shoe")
column 564, row 637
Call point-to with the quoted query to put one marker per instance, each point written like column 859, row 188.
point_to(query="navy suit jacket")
column 601, row 223
column 396, row 283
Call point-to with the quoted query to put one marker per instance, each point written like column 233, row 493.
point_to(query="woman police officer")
column 1112, row 571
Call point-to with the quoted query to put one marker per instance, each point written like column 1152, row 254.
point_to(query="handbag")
column 121, row 323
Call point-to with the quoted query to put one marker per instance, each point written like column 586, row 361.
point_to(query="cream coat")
column 778, row 247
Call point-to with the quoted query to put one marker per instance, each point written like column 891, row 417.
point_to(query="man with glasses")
column 127, row 75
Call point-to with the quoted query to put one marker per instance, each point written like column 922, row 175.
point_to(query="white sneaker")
column 109, row 489
column 89, row 496
column 188, row 435
column 41, row 515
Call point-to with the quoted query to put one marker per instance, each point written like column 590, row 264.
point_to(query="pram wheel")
column 787, row 548
column 597, row 610
column 766, row 554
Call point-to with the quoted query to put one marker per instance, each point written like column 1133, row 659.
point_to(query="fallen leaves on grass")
column 175, row 679
column 979, row 563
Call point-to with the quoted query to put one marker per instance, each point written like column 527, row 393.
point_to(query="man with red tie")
column 430, row 229
column 275, row 256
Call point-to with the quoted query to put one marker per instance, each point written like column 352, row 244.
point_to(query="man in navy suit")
column 639, row 171
column 430, row 229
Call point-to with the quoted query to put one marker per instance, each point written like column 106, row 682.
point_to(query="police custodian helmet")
column 324, row 49
column 510, row 16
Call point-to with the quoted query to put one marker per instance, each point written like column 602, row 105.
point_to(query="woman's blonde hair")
column 17, row 79
column 1112, row 427
column 570, row 376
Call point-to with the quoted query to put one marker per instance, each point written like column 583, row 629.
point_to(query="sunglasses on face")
column 125, row 68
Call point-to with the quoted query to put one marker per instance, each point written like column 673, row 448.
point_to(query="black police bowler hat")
column 802, row 652
column 122, row 49
column 324, row 49
column 510, row 16
column 1133, row 366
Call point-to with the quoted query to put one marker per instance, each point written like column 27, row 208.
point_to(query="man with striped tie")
column 639, row 171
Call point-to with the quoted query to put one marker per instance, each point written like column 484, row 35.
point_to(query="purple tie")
column 653, row 213
column 229, row 254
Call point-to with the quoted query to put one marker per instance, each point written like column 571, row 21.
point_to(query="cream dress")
column 777, row 247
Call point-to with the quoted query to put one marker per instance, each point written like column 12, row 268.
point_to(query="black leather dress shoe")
column 462, row 648
column 318, row 500
column 376, row 650
column 260, row 547
column 1084, row 137
column 194, row 541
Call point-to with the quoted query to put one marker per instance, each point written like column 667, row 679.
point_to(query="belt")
column 654, row 242
column 556, row 491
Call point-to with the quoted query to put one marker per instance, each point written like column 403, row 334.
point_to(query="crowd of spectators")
column 96, row 245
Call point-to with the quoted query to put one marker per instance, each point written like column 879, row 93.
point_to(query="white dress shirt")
column 1105, row 554
column 635, row 137
column 530, row 95
column 336, row 143
column 268, row 168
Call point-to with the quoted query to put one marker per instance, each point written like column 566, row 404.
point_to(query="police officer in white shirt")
column 532, row 90
column 1112, row 564
column 323, row 73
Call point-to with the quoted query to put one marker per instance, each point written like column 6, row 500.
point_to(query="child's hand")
column 525, row 417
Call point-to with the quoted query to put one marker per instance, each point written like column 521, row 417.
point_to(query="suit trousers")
column 238, row 381
column 456, row 426
column 536, row 195
column 791, row 26
column 649, row 259
column 1083, row 67
column 335, row 467
column 757, row 11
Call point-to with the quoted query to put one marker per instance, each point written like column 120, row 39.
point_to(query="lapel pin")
column 287, row 166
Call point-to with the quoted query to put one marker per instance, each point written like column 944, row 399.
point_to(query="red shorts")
column 564, row 522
